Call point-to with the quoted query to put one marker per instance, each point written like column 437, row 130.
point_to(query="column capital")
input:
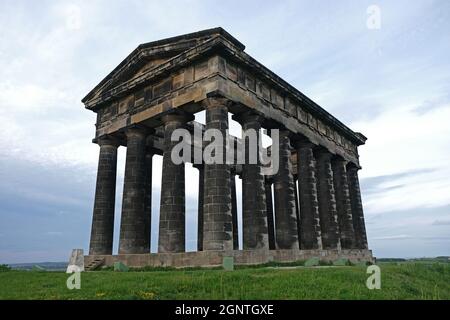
column 248, row 116
column 352, row 166
column 303, row 142
column 216, row 101
column 178, row 117
column 107, row 141
column 323, row 154
column 137, row 130
column 339, row 159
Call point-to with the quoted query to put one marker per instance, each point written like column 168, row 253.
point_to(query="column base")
column 241, row 257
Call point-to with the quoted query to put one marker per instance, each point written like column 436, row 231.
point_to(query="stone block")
column 228, row 263
column 119, row 266
column 76, row 261
column 312, row 262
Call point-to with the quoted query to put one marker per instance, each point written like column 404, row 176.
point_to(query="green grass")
column 404, row 280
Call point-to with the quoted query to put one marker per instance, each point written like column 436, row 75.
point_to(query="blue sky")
column 392, row 84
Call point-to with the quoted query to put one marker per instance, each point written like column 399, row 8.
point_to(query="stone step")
column 94, row 264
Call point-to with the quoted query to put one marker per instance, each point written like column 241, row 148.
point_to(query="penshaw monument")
column 309, row 206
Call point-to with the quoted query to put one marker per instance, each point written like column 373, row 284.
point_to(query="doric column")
column 357, row 209
column 327, row 201
column 285, row 215
column 218, row 224
column 148, row 198
column 105, row 194
column 269, row 206
column 201, row 190
column 234, row 210
column 133, row 223
column 172, row 220
column 297, row 207
column 254, row 211
column 310, row 235
column 343, row 205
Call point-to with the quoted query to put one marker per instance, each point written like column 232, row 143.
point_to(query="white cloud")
column 401, row 140
column 441, row 222
column 394, row 237
column 73, row 17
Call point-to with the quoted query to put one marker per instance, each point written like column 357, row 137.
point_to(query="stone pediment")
column 149, row 55
column 179, row 72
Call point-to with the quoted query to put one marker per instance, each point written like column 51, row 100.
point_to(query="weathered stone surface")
column 119, row 266
column 105, row 195
column 285, row 216
column 297, row 205
column 242, row 79
column 343, row 205
column 228, row 263
column 310, row 234
column 254, row 211
column 172, row 219
column 270, row 220
column 234, row 212
column 148, row 199
column 133, row 224
column 241, row 257
column 76, row 261
column 327, row 202
column 217, row 216
column 359, row 225
column 201, row 195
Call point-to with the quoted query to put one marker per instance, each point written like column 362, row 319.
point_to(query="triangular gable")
column 149, row 55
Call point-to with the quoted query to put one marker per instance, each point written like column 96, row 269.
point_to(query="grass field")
column 404, row 280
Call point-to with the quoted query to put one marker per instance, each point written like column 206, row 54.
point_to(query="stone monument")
column 309, row 208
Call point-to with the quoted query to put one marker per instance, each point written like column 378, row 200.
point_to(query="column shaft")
column 327, row 202
column 172, row 221
column 234, row 212
column 310, row 235
column 201, row 188
column 297, row 209
column 148, row 199
column 270, row 223
column 359, row 225
column 285, row 215
column 105, row 194
column 343, row 205
column 218, row 224
column 254, row 211
column 133, row 224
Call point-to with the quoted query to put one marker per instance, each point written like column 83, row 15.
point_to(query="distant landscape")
column 59, row 266
column 48, row 266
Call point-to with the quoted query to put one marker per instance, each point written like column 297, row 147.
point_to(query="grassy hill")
column 399, row 280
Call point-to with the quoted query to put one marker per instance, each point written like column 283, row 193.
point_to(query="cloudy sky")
column 391, row 83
